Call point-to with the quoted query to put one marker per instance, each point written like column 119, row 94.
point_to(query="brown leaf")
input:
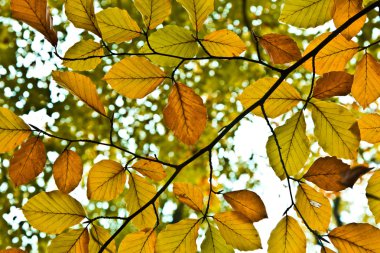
column 350, row 176
column 281, row 48
column 67, row 171
column 336, row 83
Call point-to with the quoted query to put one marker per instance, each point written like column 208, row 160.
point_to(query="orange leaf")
column 189, row 194
column 143, row 241
column 12, row 251
column 153, row 170
column 281, row 48
column 72, row 241
column 369, row 126
column 336, row 83
column 224, row 43
column 98, row 237
column 67, row 171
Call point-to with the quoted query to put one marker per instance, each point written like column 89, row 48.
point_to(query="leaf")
column 36, row 14
column 82, row 14
column 214, row 242
column 350, row 176
column 365, row 88
column 185, row 114
column 238, row 230
column 134, row 77
column 295, row 147
column 344, row 10
column 223, row 43
column 356, row 237
column 53, row 212
column 171, row 40
column 82, row 50
column 12, row 250
column 335, row 129
column 314, row 207
column 153, row 170
column 287, row 237
column 106, row 180
column 336, row 83
column 198, row 11
column 27, row 162
column 326, row 250
column 73, row 241
column 373, row 195
column 139, row 242
column 117, row 26
column 139, row 193
column 80, row 86
column 247, row 203
column 179, row 237
column 284, row 98
column 369, row 125
column 98, row 237
column 13, row 130
column 281, row 48
column 304, row 14
column 154, row 12
column 67, row 171
column 332, row 57
column 327, row 173
column 190, row 195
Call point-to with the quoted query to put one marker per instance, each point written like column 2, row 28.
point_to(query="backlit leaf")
column 366, row 86
column 73, row 241
column 185, row 114
column 369, row 125
column 336, row 83
column 238, row 231
column 223, row 43
column 81, row 13
column 82, row 50
column 80, row 86
column 28, row 162
column 373, row 195
column 154, row 12
column 350, row 176
column 295, row 147
column 106, row 180
column 287, row 237
column 214, row 242
column 284, row 98
column 117, row 26
column 333, row 57
column 314, row 207
column 53, row 212
column 13, row 130
column 198, row 11
column 139, row 242
column 335, row 129
column 281, row 48
column 344, row 10
column 153, row 170
column 67, row 171
column 247, row 203
column 356, row 237
column 189, row 194
column 134, row 77
column 12, row 250
column 179, row 237
column 98, row 236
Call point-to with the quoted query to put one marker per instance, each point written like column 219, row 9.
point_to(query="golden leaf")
column 281, row 48
column 67, row 171
column 373, row 195
column 82, row 14
column 344, row 10
column 189, row 194
column 214, row 242
column 223, row 43
column 98, row 236
column 369, row 125
column 151, row 169
column 336, row 83
column 154, row 12
column 82, row 50
column 73, row 241
column 139, row 242
column 198, row 11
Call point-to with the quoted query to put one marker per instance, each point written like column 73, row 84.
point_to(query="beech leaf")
column 82, row 14
column 198, row 11
column 350, row 176
column 89, row 50
column 139, row 242
column 73, row 241
column 214, row 242
column 335, row 83
column 281, row 48
column 223, row 43
column 373, row 195
column 369, row 125
column 98, row 236
column 151, row 169
column 189, row 194
column 67, row 171
column 154, row 12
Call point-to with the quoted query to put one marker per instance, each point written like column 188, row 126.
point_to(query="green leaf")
column 214, row 242
column 81, row 50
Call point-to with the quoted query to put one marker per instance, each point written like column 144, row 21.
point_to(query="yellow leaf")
column 335, row 129
column 198, row 11
column 153, row 170
column 303, row 14
column 117, row 26
column 81, row 13
column 189, row 194
column 28, row 162
column 366, row 86
column 326, row 250
column 247, row 203
column 295, row 147
column 82, row 50
column 179, row 237
column 356, row 237
column 171, row 40
column 373, row 195
column 336, row 83
column 53, row 212
column 369, row 125
column 287, row 237
column 281, row 48
column 223, row 43
column 185, row 114
column 139, row 193
column 284, row 98
column 80, row 86
column 36, row 14
column 67, row 171
column 238, row 231
column 106, row 180
column 214, row 242
column 134, row 77
column 314, row 207
column 98, row 236
column 13, row 130
column 344, row 10
column 73, row 241
column 333, row 57
column 139, row 242
column 154, row 12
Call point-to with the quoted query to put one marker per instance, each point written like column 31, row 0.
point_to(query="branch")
column 248, row 24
